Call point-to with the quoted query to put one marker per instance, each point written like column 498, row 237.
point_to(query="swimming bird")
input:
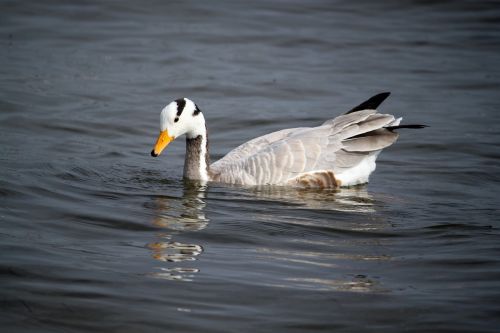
column 340, row 152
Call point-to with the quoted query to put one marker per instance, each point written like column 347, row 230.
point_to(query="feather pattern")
column 279, row 157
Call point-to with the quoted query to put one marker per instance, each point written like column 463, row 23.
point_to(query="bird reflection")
column 175, row 216
column 353, row 199
column 359, row 283
column 358, row 220
column 186, row 215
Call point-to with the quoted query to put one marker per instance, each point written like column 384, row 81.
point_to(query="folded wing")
column 337, row 145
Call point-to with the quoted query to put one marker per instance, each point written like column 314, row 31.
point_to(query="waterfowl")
column 340, row 152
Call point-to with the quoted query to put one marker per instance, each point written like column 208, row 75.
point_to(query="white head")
column 179, row 117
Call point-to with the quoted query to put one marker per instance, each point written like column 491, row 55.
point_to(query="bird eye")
column 176, row 119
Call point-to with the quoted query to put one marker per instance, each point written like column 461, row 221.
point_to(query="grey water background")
column 95, row 235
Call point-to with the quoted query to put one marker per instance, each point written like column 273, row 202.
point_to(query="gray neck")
column 197, row 158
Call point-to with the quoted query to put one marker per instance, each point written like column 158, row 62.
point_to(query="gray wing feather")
column 251, row 147
column 347, row 119
column 374, row 140
column 338, row 144
column 370, row 123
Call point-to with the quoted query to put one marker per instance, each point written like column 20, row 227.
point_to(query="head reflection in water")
column 177, row 215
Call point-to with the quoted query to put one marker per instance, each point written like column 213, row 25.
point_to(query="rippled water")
column 95, row 235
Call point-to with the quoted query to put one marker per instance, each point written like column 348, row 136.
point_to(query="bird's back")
column 340, row 152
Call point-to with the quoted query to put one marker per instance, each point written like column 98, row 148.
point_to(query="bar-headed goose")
column 340, row 152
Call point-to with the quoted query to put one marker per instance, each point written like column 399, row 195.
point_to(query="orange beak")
column 163, row 140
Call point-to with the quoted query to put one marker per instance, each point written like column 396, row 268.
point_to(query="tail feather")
column 372, row 103
column 414, row 126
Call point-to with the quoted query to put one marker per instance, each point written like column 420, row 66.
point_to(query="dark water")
column 95, row 235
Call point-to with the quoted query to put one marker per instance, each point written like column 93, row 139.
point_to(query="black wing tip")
column 383, row 95
column 372, row 103
column 413, row 126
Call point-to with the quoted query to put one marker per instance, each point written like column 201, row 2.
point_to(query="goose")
column 341, row 152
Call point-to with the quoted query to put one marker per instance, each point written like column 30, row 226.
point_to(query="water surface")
column 95, row 235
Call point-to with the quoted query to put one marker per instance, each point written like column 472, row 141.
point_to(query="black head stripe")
column 196, row 110
column 181, row 103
